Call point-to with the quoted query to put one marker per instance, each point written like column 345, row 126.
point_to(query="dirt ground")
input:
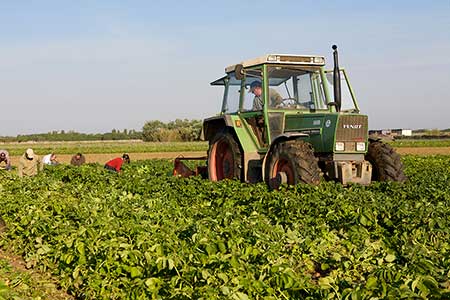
column 29, row 283
column 424, row 150
column 103, row 158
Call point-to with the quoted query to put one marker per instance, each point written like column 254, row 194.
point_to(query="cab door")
column 252, row 103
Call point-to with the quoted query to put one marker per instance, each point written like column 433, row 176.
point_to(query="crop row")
column 144, row 234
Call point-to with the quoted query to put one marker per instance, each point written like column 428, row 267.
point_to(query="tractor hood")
column 325, row 130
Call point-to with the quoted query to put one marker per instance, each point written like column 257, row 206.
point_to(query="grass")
column 103, row 147
column 421, row 143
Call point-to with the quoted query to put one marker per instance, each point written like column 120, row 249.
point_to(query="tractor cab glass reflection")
column 298, row 87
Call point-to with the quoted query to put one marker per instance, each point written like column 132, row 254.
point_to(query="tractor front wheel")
column 386, row 163
column 292, row 162
column 224, row 158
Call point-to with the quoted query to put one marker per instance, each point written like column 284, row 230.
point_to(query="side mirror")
column 239, row 72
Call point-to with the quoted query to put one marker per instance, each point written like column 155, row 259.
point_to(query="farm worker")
column 5, row 161
column 50, row 160
column 256, row 89
column 29, row 164
column 77, row 160
column 116, row 163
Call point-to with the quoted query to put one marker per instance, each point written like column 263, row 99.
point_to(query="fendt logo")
column 352, row 126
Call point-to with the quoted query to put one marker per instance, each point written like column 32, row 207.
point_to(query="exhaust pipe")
column 336, row 79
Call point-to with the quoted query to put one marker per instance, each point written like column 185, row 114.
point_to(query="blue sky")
column 92, row 66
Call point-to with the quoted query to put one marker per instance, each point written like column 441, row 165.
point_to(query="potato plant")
column 144, row 234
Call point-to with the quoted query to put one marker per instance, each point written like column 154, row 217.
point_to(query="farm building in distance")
column 391, row 132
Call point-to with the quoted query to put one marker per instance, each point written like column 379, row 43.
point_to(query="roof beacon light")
column 319, row 60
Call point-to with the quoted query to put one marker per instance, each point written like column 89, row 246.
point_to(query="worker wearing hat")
column 256, row 89
column 29, row 164
column 5, row 161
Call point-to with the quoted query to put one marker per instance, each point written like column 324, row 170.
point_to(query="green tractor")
column 287, row 120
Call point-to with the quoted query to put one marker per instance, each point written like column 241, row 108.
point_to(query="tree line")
column 173, row 131
column 152, row 131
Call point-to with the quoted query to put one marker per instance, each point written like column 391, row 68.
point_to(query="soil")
column 423, row 150
column 104, row 157
column 47, row 285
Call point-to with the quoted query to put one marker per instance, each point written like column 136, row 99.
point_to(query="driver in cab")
column 256, row 89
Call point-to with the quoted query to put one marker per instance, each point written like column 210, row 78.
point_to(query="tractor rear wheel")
column 386, row 163
column 292, row 162
column 224, row 157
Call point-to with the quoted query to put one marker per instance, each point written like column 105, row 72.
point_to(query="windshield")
column 298, row 88
column 347, row 103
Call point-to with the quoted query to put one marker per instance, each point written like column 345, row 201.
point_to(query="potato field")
column 144, row 234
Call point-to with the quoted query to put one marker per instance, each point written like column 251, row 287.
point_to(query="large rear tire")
column 224, row 157
column 292, row 162
column 386, row 163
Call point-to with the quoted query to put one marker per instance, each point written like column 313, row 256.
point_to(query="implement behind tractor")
column 180, row 169
column 287, row 120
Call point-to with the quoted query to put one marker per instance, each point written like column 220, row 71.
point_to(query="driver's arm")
column 275, row 98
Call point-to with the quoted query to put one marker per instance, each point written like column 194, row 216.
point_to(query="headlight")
column 360, row 146
column 340, row 146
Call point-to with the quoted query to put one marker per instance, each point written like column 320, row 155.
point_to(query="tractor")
column 285, row 119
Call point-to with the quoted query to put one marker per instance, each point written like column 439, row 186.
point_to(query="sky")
column 93, row 66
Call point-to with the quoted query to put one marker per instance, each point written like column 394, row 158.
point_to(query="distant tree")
column 152, row 130
column 434, row 132
column 178, row 130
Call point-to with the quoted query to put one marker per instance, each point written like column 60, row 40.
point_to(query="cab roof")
column 285, row 59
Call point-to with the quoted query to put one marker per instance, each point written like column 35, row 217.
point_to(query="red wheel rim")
column 283, row 165
column 222, row 162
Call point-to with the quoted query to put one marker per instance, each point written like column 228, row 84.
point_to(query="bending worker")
column 5, row 161
column 29, row 164
column 116, row 163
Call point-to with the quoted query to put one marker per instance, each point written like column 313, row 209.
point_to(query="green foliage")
column 178, row 130
column 421, row 143
column 143, row 234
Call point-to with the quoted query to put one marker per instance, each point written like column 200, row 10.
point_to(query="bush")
column 174, row 131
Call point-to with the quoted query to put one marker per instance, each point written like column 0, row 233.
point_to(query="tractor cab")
column 273, row 85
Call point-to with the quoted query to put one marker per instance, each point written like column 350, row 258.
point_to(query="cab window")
column 232, row 94
column 298, row 88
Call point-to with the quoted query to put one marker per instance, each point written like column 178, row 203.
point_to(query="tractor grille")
column 352, row 128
